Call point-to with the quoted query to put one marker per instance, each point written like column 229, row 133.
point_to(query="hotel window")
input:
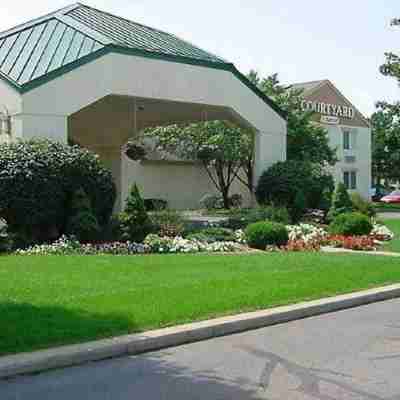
column 349, row 138
column 350, row 180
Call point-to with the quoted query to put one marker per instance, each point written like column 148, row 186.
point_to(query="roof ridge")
column 38, row 20
column 149, row 27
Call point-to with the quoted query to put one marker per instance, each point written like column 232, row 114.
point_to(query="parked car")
column 377, row 192
column 392, row 198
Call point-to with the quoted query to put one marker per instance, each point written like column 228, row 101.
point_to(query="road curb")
column 66, row 356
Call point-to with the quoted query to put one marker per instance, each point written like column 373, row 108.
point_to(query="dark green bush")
column 240, row 219
column 362, row 206
column 135, row 222
column 299, row 206
column 37, row 179
column 351, row 224
column 82, row 223
column 263, row 234
column 341, row 202
column 281, row 183
column 211, row 235
column 155, row 204
column 167, row 223
column 6, row 242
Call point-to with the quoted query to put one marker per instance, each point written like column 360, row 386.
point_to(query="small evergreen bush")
column 6, row 243
column 263, row 234
column 362, row 206
column 299, row 206
column 167, row 223
column 341, row 202
column 135, row 222
column 351, row 224
column 82, row 223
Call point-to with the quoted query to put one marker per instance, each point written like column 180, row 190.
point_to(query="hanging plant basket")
column 135, row 151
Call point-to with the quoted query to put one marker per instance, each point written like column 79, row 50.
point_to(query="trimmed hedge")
column 263, row 234
column 37, row 182
column 351, row 224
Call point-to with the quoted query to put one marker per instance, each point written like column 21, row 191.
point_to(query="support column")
column 269, row 149
column 112, row 159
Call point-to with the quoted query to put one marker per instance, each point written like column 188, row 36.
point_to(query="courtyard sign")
column 332, row 110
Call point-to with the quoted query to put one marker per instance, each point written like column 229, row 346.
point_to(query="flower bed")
column 302, row 237
column 152, row 244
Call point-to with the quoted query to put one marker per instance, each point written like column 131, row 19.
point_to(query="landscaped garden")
column 70, row 271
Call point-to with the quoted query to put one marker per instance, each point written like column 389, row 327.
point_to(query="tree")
column 386, row 126
column 385, row 144
column 306, row 141
column 281, row 183
column 223, row 149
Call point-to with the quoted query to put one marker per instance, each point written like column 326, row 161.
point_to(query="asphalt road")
column 352, row 354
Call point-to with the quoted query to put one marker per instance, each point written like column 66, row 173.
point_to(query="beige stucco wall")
column 362, row 153
column 181, row 184
column 46, row 110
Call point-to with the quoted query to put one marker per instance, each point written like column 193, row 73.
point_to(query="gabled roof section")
column 308, row 86
column 33, row 53
column 327, row 92
column 33, row 50
column 137, row 36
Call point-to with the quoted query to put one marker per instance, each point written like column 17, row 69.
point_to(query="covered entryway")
column 98, row 79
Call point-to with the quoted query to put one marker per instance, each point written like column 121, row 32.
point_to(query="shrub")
column 135, row 151
column 211, row 202
column 211, row 235
column 155, row 204
column 263, row 234
column 236, row 200
column 37, row 178
column 351, row 224
column 362, row 206
column 167, row 223
column 341, row 202
column 240, row 219
column 82, row 223
column 5, row 239
column 281, row 183
column 299, row 206
column 135, row 223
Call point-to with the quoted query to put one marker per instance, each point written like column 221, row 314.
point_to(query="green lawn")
column 48, row 301
column 394, row 226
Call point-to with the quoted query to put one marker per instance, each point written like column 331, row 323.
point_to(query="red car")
column 393, row 197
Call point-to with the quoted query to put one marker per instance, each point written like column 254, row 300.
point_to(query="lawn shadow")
column 27, row 327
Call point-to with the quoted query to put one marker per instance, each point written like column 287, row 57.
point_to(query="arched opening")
column 106, row 125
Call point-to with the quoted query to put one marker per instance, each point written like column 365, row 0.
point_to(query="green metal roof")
column 42, row 49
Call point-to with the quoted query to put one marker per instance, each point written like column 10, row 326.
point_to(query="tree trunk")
column 225, row 198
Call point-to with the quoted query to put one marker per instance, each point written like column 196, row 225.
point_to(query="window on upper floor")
column 349, row 138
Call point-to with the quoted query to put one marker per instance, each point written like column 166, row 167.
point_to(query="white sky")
column 341, row 40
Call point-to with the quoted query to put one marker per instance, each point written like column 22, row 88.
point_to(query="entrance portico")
column 105, row 97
